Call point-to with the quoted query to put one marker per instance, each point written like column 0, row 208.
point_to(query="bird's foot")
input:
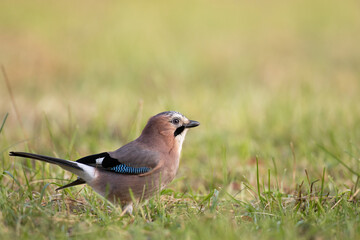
column 128, row 208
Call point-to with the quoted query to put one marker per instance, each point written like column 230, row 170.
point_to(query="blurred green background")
column 86, row 76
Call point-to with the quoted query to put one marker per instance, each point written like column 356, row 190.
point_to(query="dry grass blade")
column 8, row 86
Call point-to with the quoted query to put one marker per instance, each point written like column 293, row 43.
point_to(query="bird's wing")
column 129, row 159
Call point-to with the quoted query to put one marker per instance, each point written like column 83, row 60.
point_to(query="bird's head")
column 170, row 125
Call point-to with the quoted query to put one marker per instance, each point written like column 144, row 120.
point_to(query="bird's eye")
column 175, row 121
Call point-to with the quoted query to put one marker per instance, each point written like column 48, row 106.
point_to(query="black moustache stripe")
column 179, row 130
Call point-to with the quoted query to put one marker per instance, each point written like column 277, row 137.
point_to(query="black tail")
column 74, row 183
column 57, row 161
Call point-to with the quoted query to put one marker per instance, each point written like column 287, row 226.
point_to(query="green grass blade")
column 3, row 123
column 339, row 160
column 322, row 186
column 12, row 176
column 258, row 180
column 43, row 192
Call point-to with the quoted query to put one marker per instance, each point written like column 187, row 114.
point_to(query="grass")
column 274, row 85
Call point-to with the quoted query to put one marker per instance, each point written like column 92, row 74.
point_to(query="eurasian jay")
column 142, row 167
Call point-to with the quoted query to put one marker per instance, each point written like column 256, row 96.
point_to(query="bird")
column 136, row 170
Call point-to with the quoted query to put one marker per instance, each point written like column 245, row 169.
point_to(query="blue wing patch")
column 122, row 168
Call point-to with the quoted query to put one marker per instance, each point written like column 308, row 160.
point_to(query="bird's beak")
column 191, row 124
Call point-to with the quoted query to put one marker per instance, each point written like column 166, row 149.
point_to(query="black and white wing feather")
column 128, row 159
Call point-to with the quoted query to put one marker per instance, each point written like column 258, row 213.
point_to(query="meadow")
column 274, row 84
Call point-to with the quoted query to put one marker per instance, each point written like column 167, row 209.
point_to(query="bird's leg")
column 128, row 208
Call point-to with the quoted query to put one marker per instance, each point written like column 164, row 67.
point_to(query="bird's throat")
column 179, row 130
